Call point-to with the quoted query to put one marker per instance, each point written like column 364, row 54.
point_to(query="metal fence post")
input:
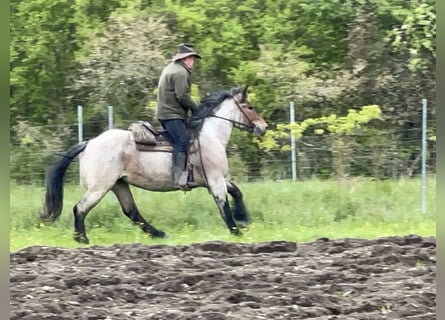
column 423, row 187
column 80, row 132
column 110, row 117
column 292, row 142
column 112, row 197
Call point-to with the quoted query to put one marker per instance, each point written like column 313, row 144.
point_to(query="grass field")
column 294, row 211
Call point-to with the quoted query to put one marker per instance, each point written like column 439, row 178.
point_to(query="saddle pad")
column 153, row 148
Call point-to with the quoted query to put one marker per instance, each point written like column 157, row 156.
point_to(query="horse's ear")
column 244, row 95
column 237, row 93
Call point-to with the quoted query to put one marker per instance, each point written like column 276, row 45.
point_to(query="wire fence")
column 380, row 155
column 374, row 154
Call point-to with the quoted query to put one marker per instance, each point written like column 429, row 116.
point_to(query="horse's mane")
column 209, row 102
column 206, row 107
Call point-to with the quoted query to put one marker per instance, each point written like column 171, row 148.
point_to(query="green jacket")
column 174, row 100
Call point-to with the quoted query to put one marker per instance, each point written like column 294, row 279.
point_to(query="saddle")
column 148, row 138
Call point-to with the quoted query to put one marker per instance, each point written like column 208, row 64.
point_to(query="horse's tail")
column 54, row 183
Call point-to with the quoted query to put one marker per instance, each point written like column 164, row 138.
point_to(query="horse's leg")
column 123, row 193
column 219, row 192
column 81, row 209
column 240, row 212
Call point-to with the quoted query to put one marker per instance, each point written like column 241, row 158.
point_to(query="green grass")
column 294, row 211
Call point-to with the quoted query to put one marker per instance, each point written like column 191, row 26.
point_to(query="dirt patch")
column 386, row 278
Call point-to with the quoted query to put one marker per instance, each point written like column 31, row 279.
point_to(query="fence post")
column 80, row 131
column 110, row 117
column 423, row 187
column 112, row 198
column 292, row 143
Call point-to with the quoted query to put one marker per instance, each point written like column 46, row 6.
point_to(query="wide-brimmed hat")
column 184, row 50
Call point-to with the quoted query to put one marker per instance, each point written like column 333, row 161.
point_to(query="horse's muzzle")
column 259, row 131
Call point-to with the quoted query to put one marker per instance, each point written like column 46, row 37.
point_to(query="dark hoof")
column 236, row 232
column 242, row 224
column 159, row 234
column 81, row 238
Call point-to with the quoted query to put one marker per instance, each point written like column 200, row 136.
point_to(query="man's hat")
column 185, row 50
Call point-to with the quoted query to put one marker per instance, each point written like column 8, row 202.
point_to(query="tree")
column 41, row 54
column 326, row 57
column 46, row 38
column 122, row 67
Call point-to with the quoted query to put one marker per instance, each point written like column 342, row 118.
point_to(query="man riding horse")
column 173, row 105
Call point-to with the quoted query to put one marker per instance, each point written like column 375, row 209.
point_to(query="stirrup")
column 184, row 183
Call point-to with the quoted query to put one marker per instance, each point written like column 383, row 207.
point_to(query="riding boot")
column 179, row 171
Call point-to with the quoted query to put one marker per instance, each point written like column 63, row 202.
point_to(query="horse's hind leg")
column 240, row 212
column 123, row 193
column 81, row 209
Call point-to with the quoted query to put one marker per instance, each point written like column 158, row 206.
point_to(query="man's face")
column 189, row 61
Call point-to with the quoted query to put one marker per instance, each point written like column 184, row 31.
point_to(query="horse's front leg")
column 219, row 192
column 240, row 212
column 226, row 214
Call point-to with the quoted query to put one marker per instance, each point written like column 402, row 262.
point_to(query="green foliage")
column 221, row 30
column 91, row 17
column 32, row 150
column 122, row 68
column 334, row 125
column 239, row 170
column 337, row 132
column 41, row 55
column 416, row 37
column 278, row 74
column 325, row 56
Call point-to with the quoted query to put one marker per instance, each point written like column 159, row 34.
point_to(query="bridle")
column 249, row 127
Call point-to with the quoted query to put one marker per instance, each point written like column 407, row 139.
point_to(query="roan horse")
column 112, row 161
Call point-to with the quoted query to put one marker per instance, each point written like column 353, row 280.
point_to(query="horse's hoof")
column 236, row 232
column 81, row 239
column 243, row 224
column 159, row 234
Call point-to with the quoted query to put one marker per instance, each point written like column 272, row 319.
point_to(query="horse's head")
column 249, row 117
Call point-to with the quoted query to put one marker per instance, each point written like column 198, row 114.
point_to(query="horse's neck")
column 217, row 129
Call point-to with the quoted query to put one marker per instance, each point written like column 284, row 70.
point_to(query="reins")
column 202, row 165
column 240, row 124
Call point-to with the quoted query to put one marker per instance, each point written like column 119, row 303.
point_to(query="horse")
column 113, row 161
